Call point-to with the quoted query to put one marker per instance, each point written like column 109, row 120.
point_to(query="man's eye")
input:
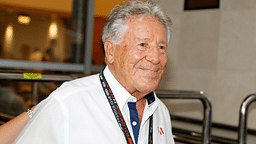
column 161, row 47
column 142, row 44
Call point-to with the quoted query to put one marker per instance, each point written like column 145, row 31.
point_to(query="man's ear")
column 109, row 47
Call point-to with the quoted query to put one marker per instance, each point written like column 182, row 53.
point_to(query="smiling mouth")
column 151, row 71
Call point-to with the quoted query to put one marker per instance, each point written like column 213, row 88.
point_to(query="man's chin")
column 148, row 88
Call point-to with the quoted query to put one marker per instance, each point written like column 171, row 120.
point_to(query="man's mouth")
column 150, row 70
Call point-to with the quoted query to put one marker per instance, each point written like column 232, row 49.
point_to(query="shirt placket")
column 134, row 119
column 144, row 127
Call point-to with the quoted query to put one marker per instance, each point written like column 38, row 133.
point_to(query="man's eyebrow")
column 148, row 39
column 162, row 42
column 143, row 39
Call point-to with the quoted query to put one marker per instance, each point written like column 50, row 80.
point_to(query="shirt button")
column 134, row 123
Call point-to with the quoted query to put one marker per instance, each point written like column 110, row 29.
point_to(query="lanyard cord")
column 150, row 134
column 118, row 115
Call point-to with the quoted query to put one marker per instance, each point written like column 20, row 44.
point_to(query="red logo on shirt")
column 161, row 132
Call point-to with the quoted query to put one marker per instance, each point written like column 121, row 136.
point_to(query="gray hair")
column 115, row 25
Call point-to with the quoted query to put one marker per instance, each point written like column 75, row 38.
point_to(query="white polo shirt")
column 79, row 112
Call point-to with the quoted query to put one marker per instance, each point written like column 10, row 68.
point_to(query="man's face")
column 140, row 58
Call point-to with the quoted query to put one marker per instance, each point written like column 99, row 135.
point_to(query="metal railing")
column 19, row 76
column 207, row 119
column 43, row 78
column 242, row 133
column 164, row 94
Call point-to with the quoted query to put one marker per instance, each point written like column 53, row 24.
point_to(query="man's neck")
column 140, row 105
column 141, row 99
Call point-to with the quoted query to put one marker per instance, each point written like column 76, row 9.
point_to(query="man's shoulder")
column 87, row 81
column 77, row 86
column 161, row 105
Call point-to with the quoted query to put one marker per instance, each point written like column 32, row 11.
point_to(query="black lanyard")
column 117, row 112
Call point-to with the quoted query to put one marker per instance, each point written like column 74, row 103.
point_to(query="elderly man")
column 118, row 105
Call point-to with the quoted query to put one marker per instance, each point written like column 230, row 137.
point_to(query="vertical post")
column 35, row 93
column 243, row 118
column 77, row 30
column 207, row 120
column 89, row 37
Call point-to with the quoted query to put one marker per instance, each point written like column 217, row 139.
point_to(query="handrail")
column 170, row 94
column 160, row 93
column 186, row 136
column 19, row 76
column 44, row 78
column 243, row 118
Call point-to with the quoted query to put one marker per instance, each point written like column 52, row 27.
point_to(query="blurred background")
column 212, row 50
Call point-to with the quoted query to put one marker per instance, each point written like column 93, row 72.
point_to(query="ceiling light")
column 24, row 19
column 53, row 30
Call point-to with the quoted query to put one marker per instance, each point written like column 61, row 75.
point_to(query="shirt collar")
column 150, row 98
column 121, row 94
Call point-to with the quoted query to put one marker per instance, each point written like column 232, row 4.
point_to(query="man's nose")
column 153, row 55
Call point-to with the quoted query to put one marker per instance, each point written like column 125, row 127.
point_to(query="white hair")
column 115, row 26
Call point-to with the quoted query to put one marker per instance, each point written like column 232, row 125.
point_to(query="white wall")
column 213, row 50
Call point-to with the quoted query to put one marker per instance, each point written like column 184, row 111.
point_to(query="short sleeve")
column 48, row 124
